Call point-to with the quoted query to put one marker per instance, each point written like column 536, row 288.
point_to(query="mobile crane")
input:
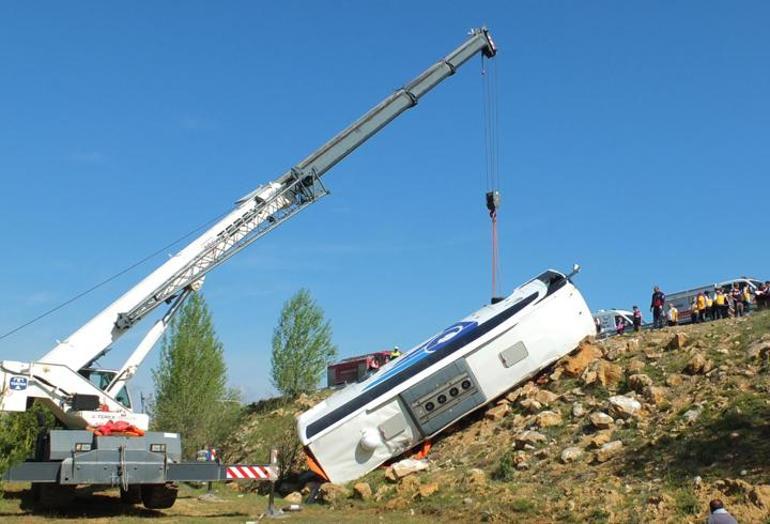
column 81, row 396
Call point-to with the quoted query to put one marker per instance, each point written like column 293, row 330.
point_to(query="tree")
column 191, row 396
column 302, row 346
column 19, row 432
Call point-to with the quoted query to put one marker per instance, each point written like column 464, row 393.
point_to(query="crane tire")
column 159, row 496
column 132, row 495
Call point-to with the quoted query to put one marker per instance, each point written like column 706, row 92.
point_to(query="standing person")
column 673, row 315
column 637, row 316
column 656, row 306
column 736, row 296
column 598, row 325
column 746, row 298
column 700, row 300
column 762, row 295
column 693, row 312
column 720, row 304
column 718, row 514
column 709, row 306
column 620, row 325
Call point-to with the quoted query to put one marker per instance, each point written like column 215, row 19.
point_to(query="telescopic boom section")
column 254, row 215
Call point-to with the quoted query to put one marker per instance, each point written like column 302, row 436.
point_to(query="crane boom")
column 254, row 215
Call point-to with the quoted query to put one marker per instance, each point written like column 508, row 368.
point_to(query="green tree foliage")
column 191, row 396
column 302, row 346
column 18, row 434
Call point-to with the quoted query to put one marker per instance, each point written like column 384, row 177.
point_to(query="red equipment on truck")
column 355, row 369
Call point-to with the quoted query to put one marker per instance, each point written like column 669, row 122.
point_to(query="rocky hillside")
column 632, row 429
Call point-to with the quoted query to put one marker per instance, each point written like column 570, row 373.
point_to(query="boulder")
column 332, row 493
column 608, row 374
column 577, row 363
column 295, row 497
column 655, row 395
column 674, row 379
column 362, row 490
column 571, row 454
column 679, row 341
column 636, row 366
column 600, row 438
column 408, row 486
column 624, row 407
column 759, row 348
column 698, row 364
column 408, row 466
column 639, row 381
column 531, row 405
column 528, row 438
column 600, row 420
column 632, row 344
column 426, row 490
column 691, row 415
column 609, row 450
column 497, row 412
column 578, row 410
column 547, row 419
column 545, row 397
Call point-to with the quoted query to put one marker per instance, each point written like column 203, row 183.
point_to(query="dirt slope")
column 632, row 429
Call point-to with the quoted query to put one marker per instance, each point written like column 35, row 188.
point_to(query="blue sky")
column 633, row 139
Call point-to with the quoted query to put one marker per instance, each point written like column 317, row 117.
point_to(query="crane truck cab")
column 102, row 378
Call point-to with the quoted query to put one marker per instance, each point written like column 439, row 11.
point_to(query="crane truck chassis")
column 147, row 467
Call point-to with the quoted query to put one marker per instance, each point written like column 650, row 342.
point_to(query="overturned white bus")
column 451, row 374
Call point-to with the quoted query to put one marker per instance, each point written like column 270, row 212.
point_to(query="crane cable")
column 491, row 160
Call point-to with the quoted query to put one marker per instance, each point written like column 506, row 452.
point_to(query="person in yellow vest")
column 700, row 301
column 693, row 311
column 395, row 353
column 672, row 315
column 720, row 304
column 709, row 307
column 746, row 299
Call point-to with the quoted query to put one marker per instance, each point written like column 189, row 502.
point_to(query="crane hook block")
column 493, row 202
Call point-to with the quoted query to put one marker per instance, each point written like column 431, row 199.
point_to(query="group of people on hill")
column 718, row 304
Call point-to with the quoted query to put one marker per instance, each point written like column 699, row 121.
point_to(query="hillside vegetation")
column 637, row 428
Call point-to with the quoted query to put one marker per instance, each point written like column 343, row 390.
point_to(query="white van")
column 608, row 319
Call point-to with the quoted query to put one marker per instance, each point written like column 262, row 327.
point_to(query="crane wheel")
column 158, row 496
column 52, row 496
column 132, row 495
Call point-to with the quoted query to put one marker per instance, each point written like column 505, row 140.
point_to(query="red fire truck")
column 354, row 369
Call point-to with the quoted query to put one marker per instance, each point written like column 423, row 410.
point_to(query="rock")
column 609, row 450
column 408, row 486
column 467, row 501
column 759, row 348
column 578, row 410
column 691, row 415
column 673, row 380
column 698, row 364
column 390, row 475
column 498, row 412
column 531, row 405
column 295, row 497
column 608, row 374
column 426, row 490
column 408, row 466
column 632, row 344
column 545, row 397
column 571, row 454
column 639, row 381
column 589, row 377
column 528, row 437
column 679, row 341
column 636, row 366
column 381, row 492
column 576, row 364
column 476, row 477
column 547, row 419
column 655, row 395
column 556, row 375
column 600, row 420
column 332, row 493
column 624, row 407
column 362, row 490
column 600, row 438
column 760, row 496
column 304, row 401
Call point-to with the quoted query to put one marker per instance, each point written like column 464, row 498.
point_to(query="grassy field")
column 226, row 506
